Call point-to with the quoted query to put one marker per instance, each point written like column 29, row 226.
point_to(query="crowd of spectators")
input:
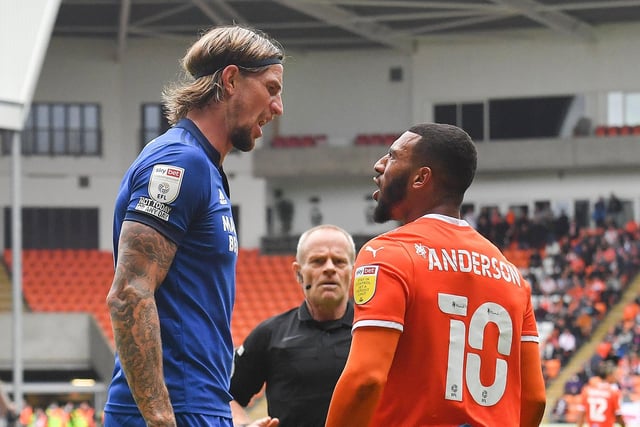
column 620, row 345
column 577, row 274
column 54, row 415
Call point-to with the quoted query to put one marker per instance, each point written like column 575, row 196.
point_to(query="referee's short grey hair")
column 304, row 236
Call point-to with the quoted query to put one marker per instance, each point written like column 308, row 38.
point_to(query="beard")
column 241, row 139
column 394, row 192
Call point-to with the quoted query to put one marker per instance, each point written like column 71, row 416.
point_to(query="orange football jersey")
column 463, row 311
column 600, row 400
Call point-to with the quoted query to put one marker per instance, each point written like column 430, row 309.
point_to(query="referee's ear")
column 296, row 269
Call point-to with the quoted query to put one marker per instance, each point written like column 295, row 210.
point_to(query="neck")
column 327, row 313
column 210, row 122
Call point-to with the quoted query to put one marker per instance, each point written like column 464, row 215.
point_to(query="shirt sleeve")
column 168, row 189
column 380, row 285
column 250, row 365
column 529, row 325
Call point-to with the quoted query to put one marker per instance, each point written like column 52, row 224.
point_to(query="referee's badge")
column 364, row 283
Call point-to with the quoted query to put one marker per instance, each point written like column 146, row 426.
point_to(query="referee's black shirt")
column 299, row 358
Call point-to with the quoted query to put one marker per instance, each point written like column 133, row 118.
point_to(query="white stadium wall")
column 339, row 94
column 530, row 64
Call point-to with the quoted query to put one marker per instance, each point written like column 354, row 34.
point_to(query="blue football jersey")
column 177, row 186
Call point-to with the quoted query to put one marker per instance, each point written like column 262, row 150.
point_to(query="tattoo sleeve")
column 144, row 257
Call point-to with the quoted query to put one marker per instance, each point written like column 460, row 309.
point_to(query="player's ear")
column 422, row 176
column 230, row 77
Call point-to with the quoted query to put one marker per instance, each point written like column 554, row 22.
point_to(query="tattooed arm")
column 144, row 257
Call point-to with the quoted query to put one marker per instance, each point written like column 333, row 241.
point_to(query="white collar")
column 449, row 219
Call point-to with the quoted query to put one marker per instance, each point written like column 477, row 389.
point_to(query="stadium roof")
column 343, row 24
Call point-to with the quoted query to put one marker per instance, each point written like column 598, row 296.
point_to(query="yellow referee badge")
column 364, row 283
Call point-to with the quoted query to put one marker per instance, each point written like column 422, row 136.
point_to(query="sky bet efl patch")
column 164, row 183
column 364, row 283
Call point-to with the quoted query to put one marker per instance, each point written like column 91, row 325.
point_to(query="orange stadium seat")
column 67, row 280
column 78, row 281
column 601, row 130
column 284, row 141
column 265, row 287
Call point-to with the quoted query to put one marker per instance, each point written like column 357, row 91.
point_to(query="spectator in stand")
column 567, row 343
column 83, row 416
column 285, row 210
column 538, row 233
column 522, row 234
column 551, row 347
column 599, row 212
column 611, row 233
column 548, row 285
column 57, row 416
column 500, row 229
column 484, row 224
column 561, row 225
column 40, row 418
column 615, row 210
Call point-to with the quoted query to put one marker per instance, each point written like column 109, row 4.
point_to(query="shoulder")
column 269, row 330
column 396, row 249
column 273, row 323
column 174, row 145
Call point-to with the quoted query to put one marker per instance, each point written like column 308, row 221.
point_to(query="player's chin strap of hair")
column 258, row 63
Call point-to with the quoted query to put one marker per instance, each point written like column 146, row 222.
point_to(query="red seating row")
column 79, row 280
column 376, row 139
column 298, row 140
column 313, row 140
column 617, row 130
column 67, row 280
column 265, row 286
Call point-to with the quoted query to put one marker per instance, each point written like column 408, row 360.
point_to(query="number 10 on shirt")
column 457, row 375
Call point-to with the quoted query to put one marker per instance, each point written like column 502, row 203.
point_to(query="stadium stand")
column 265, row 286
column 626, row 130
column 67, row 280
column 583, row 285
column 582, row 282
column 74, row 280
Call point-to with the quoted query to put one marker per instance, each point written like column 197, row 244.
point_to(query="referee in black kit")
column 300, row 353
